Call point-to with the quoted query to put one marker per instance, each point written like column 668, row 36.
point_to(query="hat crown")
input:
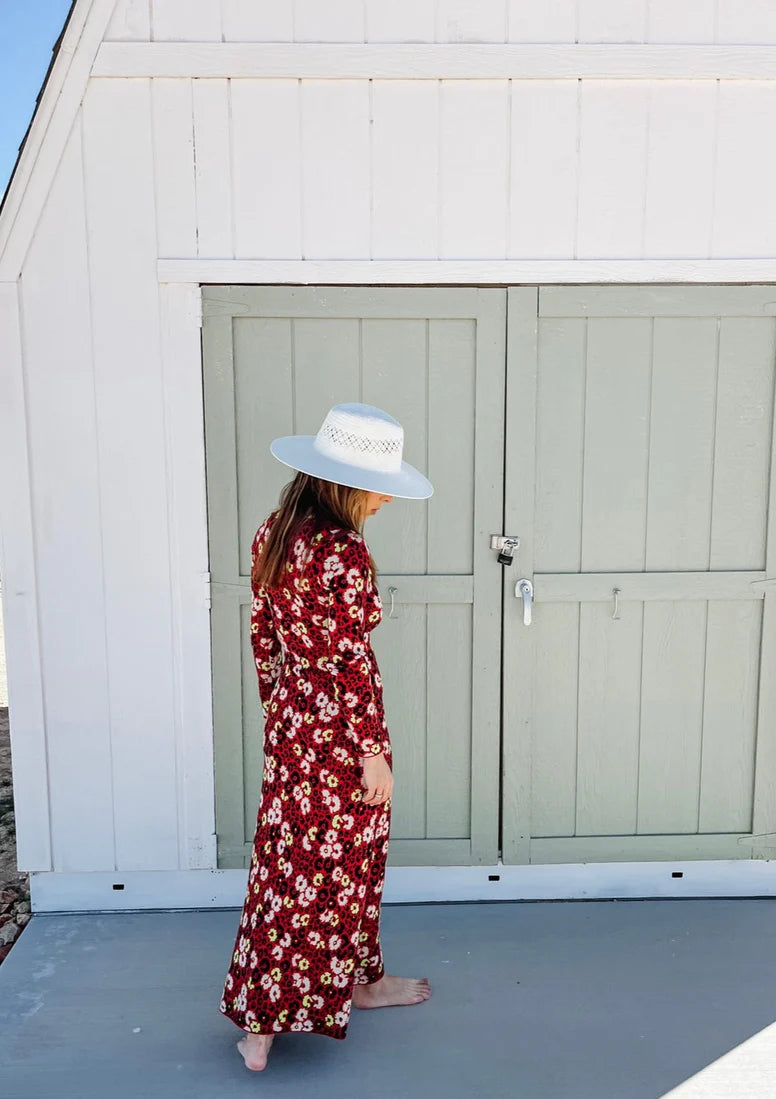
column 362, row 435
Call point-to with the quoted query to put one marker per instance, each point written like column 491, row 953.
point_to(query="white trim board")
column 439, row 61
column 464, row 272
column 166, row 889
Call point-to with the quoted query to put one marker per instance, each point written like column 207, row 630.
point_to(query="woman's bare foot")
column 254, row 1049
column 392, row 992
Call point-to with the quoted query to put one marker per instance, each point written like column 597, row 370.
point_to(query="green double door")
column 616, row 710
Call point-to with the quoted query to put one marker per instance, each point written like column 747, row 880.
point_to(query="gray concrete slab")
column 606, row 1000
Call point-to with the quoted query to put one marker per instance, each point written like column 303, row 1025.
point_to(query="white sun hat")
column 357, row 445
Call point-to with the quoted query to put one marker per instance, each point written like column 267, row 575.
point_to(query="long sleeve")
column 346, row 574
column 267, row 652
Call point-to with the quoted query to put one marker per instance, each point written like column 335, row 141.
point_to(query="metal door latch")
column 524, row 590
column 506, row 546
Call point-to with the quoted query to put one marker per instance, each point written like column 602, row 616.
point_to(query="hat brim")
column 298, row 452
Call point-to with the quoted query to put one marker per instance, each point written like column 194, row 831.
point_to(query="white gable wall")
column 287, row 169
column 632, row 21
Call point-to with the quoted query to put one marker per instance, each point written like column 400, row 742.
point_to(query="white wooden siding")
column 66, row 497
column 625, row 21
column 488, row 169
column 288, row 169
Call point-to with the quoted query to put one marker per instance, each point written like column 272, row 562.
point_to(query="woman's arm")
column 267, row 652
column 345, row 573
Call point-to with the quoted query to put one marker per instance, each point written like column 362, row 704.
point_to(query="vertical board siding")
column 744, row 433
column 129, row 400
column 257, row 21
column 532, row 22
column 457, row 169
column 66, row 510
column 269, row 411
column 610, row 657
column 626, row 21
column 612, row 168
column 646, row 725
column 691, row 22
column 671, row 729
column 612, row 21
column 448, row 722
column 334, row 21
column 733, row 638
column 336, row 178
column 399, row 542
column 617, row 401
column 681, row 447
column 174, row 180
column 544, row 163
column 327, row 361
column 212, row 152
column 266, row 166
column 400, row 21
column 745, row 173
column 471, row 20
column 473, row 174
column 556, row 696
column 680, row 168
column 271, row 373
column 560, row 440
column 131, row 21
column 451, row 397
column 21, row 619
column 186, row 20
column 405, row 204
column 749, row 21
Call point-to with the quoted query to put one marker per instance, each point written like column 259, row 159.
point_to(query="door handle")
column 524, row 589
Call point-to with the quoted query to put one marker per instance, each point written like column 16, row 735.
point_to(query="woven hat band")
column 359, row 440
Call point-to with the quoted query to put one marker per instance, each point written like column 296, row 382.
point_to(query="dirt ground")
column 14, row 887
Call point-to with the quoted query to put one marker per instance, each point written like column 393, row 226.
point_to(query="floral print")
column 309, row 929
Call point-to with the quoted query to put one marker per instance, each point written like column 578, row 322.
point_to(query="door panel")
column 631, row 702
column 276, row 359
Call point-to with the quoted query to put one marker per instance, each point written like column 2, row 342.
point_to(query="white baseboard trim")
column 175, row 889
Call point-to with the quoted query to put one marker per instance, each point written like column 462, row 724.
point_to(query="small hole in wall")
column 677, row 874
column 116, row 885
column 494, row 877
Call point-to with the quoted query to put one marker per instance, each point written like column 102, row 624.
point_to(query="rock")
column 4, row 952
column 22, row 919
column 23, row 906
column 8, row 933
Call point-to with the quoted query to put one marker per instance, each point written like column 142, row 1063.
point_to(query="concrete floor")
column 603, row 999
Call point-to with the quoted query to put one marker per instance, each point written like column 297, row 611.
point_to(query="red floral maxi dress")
column 310, row 922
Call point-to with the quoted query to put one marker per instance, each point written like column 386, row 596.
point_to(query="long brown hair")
column 307, row 499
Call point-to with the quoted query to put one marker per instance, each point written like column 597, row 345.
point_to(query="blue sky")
column 28, row 31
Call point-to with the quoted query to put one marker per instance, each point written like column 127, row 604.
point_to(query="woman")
column 307, row 947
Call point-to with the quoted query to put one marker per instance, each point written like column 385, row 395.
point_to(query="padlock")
column 507, row 552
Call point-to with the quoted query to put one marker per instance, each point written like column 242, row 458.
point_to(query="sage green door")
column 639, row 717
column 275, row 360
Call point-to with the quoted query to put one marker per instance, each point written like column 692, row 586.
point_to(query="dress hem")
column 339, row 1035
